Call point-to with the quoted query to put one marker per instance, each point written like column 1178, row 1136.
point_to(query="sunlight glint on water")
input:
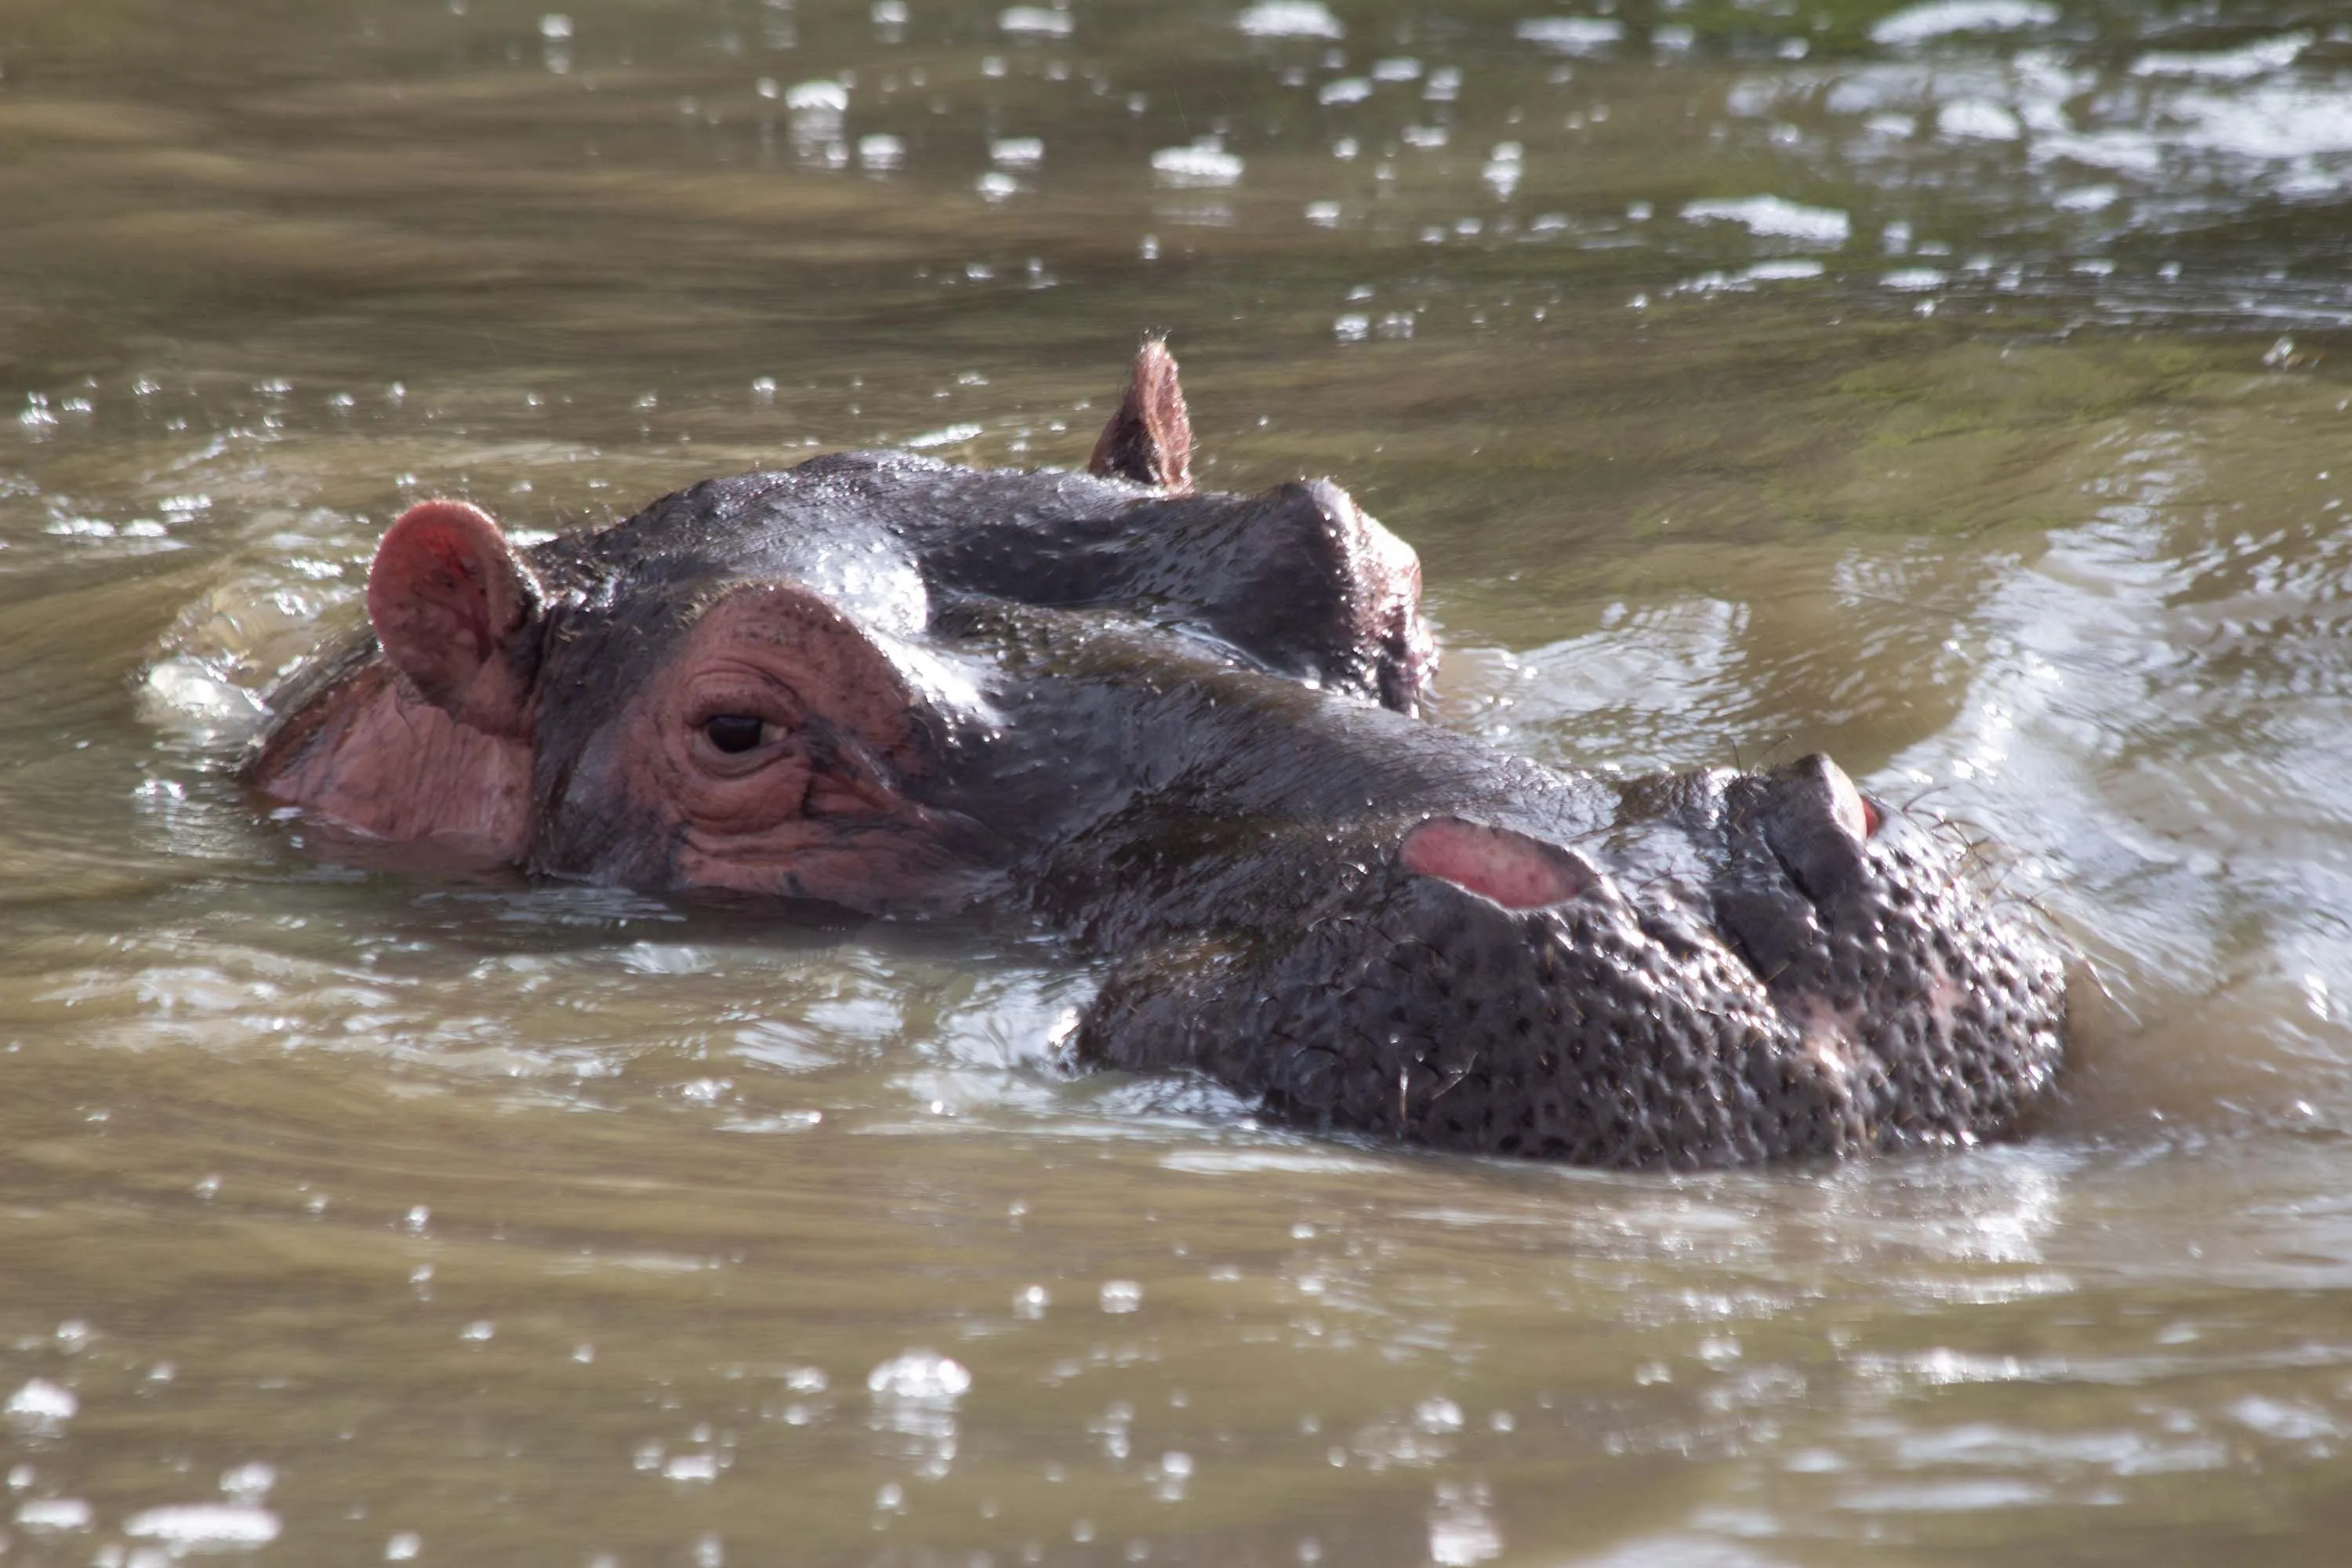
column 1956, row 386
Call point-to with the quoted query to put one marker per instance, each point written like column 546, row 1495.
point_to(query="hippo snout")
column 1745, row 967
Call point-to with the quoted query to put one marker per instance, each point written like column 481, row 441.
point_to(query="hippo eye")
column 733, row 732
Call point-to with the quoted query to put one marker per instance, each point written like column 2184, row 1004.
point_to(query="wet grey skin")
column 1735, row 973
column 1181, row 730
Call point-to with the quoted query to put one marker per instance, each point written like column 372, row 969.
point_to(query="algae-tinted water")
column 1958, row 387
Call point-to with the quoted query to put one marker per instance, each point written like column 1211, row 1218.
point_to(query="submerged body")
column 1182, row 730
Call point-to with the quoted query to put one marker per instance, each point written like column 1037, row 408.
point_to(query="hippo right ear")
column 1150, row 439
column 450, row 601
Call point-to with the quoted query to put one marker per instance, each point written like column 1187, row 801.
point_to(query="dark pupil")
column 734, row 732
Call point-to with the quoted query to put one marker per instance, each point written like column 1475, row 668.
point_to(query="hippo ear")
column 449, row 599
column 1515, row 870
column 1150, row 439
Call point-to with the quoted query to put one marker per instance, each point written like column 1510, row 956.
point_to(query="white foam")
column 1572, row 35
column 205, row 1526
column 2278, row 121
column 820, row 96
column 1784, row 271
column 1197, row 165
column 188, row 691
column 2249, row 60
column 1939, row 18
column 1290, row 19
column 919, row 1377
column 1035, row 21
column 1260, row 1162
column 43, row 1402
column 1912, row 280
column 54, row 1513
column 1773, row 216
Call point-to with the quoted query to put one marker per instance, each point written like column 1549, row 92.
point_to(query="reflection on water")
column 1951, row 384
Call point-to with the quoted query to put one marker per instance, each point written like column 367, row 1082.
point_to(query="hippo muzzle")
column 1740, row 968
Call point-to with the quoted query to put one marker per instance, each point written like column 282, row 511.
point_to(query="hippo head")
column 755, row 685
column 1730, row 968
column 686, row 724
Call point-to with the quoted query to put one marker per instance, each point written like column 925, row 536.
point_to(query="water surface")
column 1960, row 387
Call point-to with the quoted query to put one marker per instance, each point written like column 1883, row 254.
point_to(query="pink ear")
column 446, row 594
column 1511, row 868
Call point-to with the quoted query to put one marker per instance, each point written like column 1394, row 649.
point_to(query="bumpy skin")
column 1623, row 1027
column 1744, row 969
column 1179, row 729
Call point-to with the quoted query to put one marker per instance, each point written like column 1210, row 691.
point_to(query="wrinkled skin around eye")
column 779, row 753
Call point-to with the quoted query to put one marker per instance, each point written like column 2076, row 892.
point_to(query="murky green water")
column 347, row 1218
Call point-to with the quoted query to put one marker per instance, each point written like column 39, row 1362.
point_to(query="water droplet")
column 919, row 1377
column 42, row 1402
column 1437, row 1415
column 249, row 1482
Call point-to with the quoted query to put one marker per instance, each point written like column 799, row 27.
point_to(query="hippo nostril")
column 1515, row 870
column 1819, row 826
column 1847, row 809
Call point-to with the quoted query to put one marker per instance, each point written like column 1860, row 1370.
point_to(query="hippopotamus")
column 1184, row 731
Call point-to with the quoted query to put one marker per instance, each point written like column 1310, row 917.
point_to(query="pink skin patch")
column 1511, row 868
column 376, row 761
column 431, row 743
column 814, row 805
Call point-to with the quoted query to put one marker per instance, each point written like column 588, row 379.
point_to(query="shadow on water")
column 1958, row 386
